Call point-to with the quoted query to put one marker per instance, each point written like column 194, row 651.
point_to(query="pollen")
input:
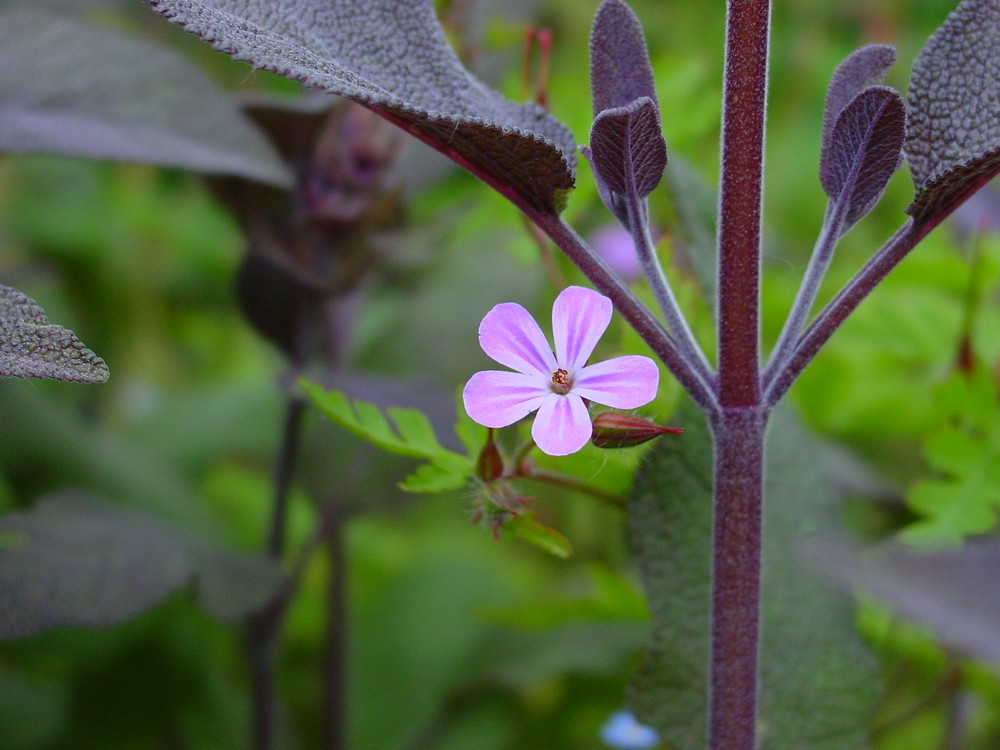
column 561, row 382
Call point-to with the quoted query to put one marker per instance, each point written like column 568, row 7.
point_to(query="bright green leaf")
column 527, row 528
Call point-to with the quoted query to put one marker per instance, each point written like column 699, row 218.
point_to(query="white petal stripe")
column 580, row 317
column 621, row 383
column 562, row 425
column 495, row 398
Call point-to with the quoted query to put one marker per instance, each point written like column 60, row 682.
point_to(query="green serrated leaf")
column 438, row 476
column 410, row 434
column 812, row 662
column 527, row 528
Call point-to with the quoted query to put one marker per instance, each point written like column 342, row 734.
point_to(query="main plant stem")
column 739, row 423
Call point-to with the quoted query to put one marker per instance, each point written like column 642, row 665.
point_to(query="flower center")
column 561, row 382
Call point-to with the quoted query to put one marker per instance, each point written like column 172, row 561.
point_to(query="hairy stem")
column 638, row 219
column 842, row 305
column 736, row 553
column 570, row 482
column 805, row 299
column 740, row 194
column 739, row 425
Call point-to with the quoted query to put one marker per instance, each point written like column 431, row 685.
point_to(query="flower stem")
column 570, row 482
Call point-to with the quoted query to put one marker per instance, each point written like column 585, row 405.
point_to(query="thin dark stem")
column 805, row 299
column 739, row 476
column 263, row 627
column 630, row 308
column 335, row 658
column 740, row 194
column 842, row 305
column 573, row 483
column 638, row 219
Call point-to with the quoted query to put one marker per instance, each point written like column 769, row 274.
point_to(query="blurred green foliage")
column 456, row 641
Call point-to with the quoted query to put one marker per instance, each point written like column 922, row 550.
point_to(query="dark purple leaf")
column 76, row 560
column 627, row 149
column 620, row 71
column 859, row 70
column 953, row 119
column 954, row 591
column 393, row 57
column 863, row 151
column 31, row 347
column 78, row 90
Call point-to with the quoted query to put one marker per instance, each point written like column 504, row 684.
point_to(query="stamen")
column 561, row 382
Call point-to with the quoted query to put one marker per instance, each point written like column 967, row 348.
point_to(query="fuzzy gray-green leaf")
column 31, row 347
column 75, row 89
column 813, row 664
column 74, row 559
column 393, row 57
column 953, row 118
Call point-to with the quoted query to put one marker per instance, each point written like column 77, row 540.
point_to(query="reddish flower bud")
column 616, row 430
column 489, row 465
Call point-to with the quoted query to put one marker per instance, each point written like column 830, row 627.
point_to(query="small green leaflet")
column 406, row 432
column 964, row 497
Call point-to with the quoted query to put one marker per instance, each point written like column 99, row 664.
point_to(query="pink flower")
column 554, row 383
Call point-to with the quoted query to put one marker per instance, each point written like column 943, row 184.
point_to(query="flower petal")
column 511, row 336
column 495, row 398
column 580, row 317
column 562, row 425
column 621, row 383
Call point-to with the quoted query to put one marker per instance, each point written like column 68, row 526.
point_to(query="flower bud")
column 616, row 430
column 489, row 465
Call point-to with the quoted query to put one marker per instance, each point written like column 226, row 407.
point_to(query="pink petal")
column 494, row 398
column 579, row 318
column 511, row 336
column 621, row 383
column 562, row 425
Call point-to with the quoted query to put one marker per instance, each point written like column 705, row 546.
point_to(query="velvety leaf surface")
column 953, row 120
column 813, row 663
column 952, row 591
column 859, row 70
column 31, row 347
column 392, row 56
column 620, row 71
column 863, row 151
column 76, row 560
column 78, row 90
column 627, row 149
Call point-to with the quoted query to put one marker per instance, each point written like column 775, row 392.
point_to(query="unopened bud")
column 489, row 466
column 616, row 430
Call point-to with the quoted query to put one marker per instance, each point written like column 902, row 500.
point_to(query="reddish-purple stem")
column 739, row 425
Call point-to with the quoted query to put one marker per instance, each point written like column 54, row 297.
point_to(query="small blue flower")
column 625, row 733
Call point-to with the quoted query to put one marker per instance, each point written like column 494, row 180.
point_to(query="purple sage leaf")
column 860, row 69
column 627, row 149
column 392, row 56
column 620, row 71
column 74, row 559
column 74, row 89
column 31, row 347
column 863, row 151
column 953, row 120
